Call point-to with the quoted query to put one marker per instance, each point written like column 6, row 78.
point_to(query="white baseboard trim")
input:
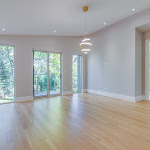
column 23, row 99
column 117, row 96
column 84, row 90
column 67, row 93
column 102, row 93
column 139, row 98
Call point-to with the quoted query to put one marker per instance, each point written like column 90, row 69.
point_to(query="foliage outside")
column 6, row 72
column 75, row 73
column 40, row 73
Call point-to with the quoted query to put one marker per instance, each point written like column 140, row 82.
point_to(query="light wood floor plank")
column 79, row 122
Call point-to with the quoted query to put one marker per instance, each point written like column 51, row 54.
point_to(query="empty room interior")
column 75, row 75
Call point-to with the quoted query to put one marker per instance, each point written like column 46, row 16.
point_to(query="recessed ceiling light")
column 133, row 9
column 104, row 23
column 54, row 31
column 3, row 29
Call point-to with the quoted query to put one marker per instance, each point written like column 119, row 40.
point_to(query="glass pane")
column 76, row 73
column 6, row 73
column 40, row 74
column 54, row 76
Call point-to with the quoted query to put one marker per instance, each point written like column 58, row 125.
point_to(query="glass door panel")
column 40, row 74
column 54, row 73
column 6, row 74
column 76, row 73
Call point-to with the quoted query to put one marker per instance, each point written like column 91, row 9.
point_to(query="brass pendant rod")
column 85, row 9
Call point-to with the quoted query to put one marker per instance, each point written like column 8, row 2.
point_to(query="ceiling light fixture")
column 86, row 50
column 3, row 29
column 104, row 23
column 133, row 9
column 85, row 41
column 54, row 31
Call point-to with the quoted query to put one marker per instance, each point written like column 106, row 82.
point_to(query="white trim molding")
column 139, row 98
column 117, row 96
column 147, row 70
column 67, row 93
column 23, row 99
column 84, row 90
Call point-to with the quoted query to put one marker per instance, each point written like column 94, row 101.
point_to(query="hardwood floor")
column 79, row 122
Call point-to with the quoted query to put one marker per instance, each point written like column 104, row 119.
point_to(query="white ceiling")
column 42, row 17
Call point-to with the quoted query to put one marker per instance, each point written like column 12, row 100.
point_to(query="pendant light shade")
column 85, row 44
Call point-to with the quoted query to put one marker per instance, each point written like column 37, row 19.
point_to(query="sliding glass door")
column 54, row 73
column 47, row 73
column 40, row 74
column 76, row 73
column 6, row 74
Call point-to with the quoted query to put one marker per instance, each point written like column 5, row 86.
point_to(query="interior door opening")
column 47, row 74
column 6, row 74
column 147, row 70
column 76, row 73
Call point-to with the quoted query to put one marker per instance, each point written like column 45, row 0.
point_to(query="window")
column 6, row 74
column 76, row 73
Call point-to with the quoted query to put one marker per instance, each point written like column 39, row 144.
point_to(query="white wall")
column 115, row 63
column 149, row 65
column 139, row 64
column 24, row 60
